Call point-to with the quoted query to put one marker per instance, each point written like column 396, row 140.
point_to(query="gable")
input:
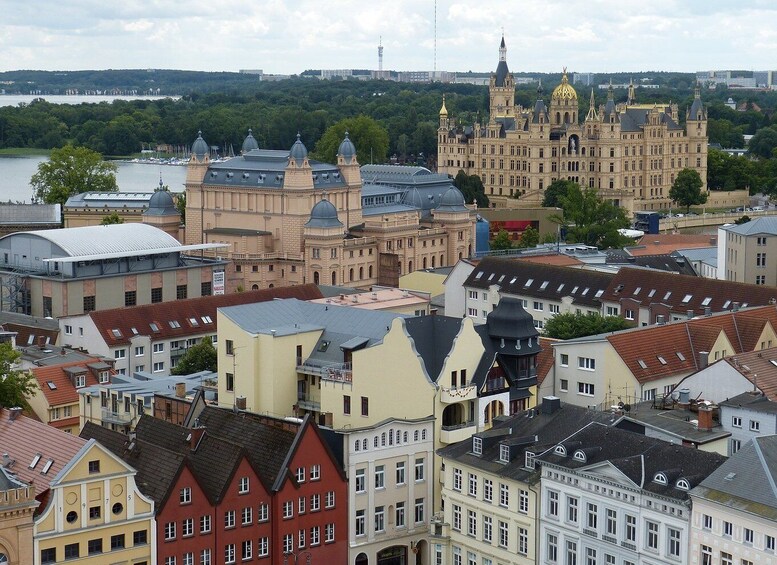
column 608, row 472
column 78, row 468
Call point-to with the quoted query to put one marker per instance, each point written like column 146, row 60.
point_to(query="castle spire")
column 632, row 97
column 591, row 116
column 443, row 110
column 610, row 92
column 503, row 50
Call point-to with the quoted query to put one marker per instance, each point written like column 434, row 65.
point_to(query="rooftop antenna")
column 380, row 57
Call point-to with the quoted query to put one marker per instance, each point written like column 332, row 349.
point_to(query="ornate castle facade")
column 289, row 219
column 630, row 152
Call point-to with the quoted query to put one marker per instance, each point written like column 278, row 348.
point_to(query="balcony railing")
column 458, row 394
column 336, row 372
column 116, row 417
column 457, row 432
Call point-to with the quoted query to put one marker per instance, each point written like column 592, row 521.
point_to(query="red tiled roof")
column 181, row 312
column 545, row 358
column 24, row 438
column 759, row 367
column 654, row 352
column 672, row 289
column 64, row 391
column 551, row 259
column 66, row 422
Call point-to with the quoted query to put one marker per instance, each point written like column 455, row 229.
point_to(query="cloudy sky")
column 286, row 37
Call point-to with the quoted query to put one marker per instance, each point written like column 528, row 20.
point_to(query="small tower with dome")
column 563, row 103
column 195, row 176
column 323, row 233
column 453, row 213
column 162, row 212
column 249, row 143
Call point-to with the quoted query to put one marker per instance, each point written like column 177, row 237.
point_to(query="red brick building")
column 237, row 487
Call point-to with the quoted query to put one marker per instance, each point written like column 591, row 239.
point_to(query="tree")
column 368, row 136
column 554, row 192
column 502, row 241
column 471, row 186
column 71, row 170
column 569, row 325
column 112, row 218
column 591, row 220
column 15, row 385
column 763, row 143
column 180, row 205
column 529, row 238
column 686, row 189
column 200, row 357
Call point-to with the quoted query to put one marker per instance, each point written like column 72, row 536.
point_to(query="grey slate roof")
column 634, row 119
column 550, row 428
column 755, row 402
column 747, row 481
column 671, row 422
column 433, row 337
column 638, row 457
column 30, row 214
column 660, row 262
column 766, row 225
column 513, row 278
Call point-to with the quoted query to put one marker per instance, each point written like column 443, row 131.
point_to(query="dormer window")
column 660, row 478
column 80, row 381
column 560, row 450
column 529, row 460
column 504, row 453
column 477, row 446
column 104, row 377
column 579, row 455
column 683, row 484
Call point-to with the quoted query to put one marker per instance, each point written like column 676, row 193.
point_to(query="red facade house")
column 223, row 487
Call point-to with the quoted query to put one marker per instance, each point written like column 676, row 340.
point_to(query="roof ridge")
column 765, row 467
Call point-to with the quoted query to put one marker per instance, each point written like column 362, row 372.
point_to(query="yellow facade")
column 630, row 153
column 95, row 512
column 17, row 506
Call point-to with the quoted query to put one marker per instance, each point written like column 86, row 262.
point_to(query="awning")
column 519, row 393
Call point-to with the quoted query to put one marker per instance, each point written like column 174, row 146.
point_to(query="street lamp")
column 307, row 555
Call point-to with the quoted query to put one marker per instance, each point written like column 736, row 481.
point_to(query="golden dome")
column 443, row 110
column 564, row 90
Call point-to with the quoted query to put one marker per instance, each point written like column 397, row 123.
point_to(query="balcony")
column 335, row 372
column 459, row 394
column 112, row 417
column 457, row 432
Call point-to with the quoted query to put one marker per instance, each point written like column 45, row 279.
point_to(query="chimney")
column 704, row 359
column 550, row 404
column 14, row 412
column 705, row 417
column 240, row 403
column 195, row 435
column 180, row 390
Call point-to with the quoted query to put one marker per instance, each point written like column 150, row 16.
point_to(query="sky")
column 288, row 37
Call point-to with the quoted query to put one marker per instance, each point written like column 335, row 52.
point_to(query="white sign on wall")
column 218, row 282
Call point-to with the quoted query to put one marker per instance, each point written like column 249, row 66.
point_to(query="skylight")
column 480, row 274
column 574, row 290
column 706, row 301
column 726, row 303
column 667, row 295
column 51, row 385
column 47, row 466
column 585, row 291
column 512, row 280
column 687, row 298
column 154, row 327
column 636, row 290
column 35, row 460
column 174, row 324
column 651, row 293
column 134, row 331
column 680, row 356
column 560, row 287
column 544, row 285
column 491, row 276
column 207, row 320
column 661, row 360
column 528, row 283
column 194, row 322
column 599, row 293
column 642, row 363
column 116, row 332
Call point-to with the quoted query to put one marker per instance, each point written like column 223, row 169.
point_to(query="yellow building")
column 91, row 508
column 17, row 505
column 629, row 152
column 288, row 219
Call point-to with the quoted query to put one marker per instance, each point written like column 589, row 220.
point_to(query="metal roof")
column 137, row 253
column 27, row 214
column 99, row 240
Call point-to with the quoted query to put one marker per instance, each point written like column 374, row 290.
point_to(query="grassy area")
column 25, row 151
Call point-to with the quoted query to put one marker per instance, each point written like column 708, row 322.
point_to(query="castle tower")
column 563, row 103
column 351, row 173
column 631, row 99
column 323, row 241
column 696, row 126
column 162, row 212
column 501, row 89
column 195, row 174
column 592, row 116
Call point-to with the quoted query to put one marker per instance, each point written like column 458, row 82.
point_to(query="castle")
column 629, row 152
column 289, row 219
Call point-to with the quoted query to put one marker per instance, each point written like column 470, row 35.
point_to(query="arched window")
column 370, row 271
column 357, row 444
column 433, row 262
column 409, row 266
column 350, row 274
column 361, row 273
column 316, row 278
column 391, row 437
column 383, row 439
column 424, row 263
column 364, row 444
column 404, row 437
column 415, row 435
column 423, row 434
column 254, row 287
column 375, row 441
column 334, row 278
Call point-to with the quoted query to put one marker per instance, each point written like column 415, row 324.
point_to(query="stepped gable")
column 183, row 312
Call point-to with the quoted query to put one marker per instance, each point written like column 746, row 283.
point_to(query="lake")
column 15, row 173
column 16, row 99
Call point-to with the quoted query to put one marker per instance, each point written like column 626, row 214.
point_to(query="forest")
column 277, row 111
